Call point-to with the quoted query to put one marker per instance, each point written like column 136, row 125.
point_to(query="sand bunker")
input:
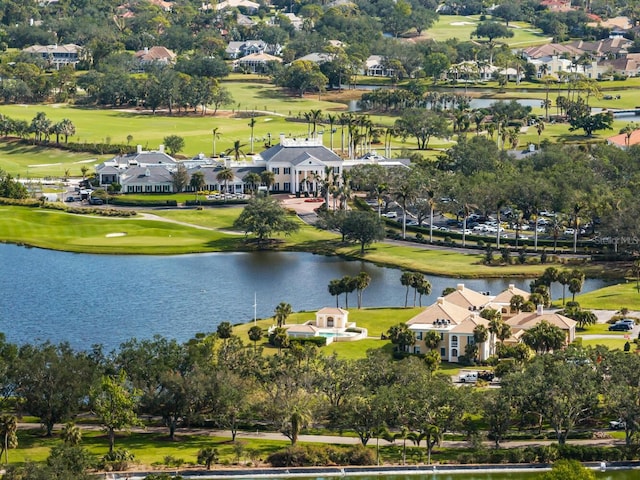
column 44, row 165
column 115, row 234
column 461, row 24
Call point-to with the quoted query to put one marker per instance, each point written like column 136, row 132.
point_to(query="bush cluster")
column 546, row 454
column 321, row 455
column 317, row 341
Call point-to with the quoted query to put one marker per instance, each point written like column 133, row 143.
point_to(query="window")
column 454, row 341
column 276, row 187
column 441, row 336
column 454, row 352
column 287, row 170
column 416, row 350
column 276, row 170
column 336, row 170
column 287, row 186
column 419, row 336
column 470, row 340
column 443, row 352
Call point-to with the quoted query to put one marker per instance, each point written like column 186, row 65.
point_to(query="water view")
column 107, row 299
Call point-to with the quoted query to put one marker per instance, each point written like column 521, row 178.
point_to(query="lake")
column 87, row 299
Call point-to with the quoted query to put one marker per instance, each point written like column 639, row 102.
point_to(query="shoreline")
column 350, row 471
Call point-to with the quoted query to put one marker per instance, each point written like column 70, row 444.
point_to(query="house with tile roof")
column 622, row 141
column 502, row 301
column 156, row 54
column 455, row 326
column 466, row 298
column 526, row 320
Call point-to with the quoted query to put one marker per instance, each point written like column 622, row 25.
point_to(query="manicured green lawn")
column 611, row 343
column 598, row 329
column 91, row 234
column 614, row 297
column 221, row 218
column 453, row 26
column 439, row 262
column 31, row 161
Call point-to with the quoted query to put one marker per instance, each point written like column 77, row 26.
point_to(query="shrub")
column 317, row 341
column 118, row 460
column 321, row 455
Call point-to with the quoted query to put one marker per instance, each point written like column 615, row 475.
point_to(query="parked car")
column 70, row 199
column 617, row 424
column 390, row 215
column 95, row 201
column 468, row 377
column 569, row 231
column 486, row 375
column 627, row 321
column 620, row 327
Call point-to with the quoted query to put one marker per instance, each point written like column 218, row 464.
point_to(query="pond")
column 87, row 299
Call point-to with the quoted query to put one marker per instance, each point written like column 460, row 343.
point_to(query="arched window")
column 330, row 322
column 454, row 352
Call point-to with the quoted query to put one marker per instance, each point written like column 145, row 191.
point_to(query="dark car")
column 70, row 199
column 486, row 375
column 95, row 201
column 620, row 327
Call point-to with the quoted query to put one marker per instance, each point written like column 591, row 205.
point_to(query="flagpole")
column 255, row 306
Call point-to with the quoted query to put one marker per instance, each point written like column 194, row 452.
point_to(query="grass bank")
column 211, row 230
column 614, row 297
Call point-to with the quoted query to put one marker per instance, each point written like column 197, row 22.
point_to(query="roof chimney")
column 161, row 148
column 440, row 300
column 512, row 287
column 138, row 148
column 281, row 138
column 540, row 310
column 460, row 287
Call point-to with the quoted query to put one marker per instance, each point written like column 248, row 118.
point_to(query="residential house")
column 295, row 20
column 524, row 321
column 455, row 326
column 237, row 50
column 557, row 5
column 255, row 62
column 471, row 300
column 166, row 6
column 374, row 66
column 502, row 301
column 622, row 141
column 629, row 65
column 317, row 57
column 331, row 323
column 245, row 5
column 56, row 56
column 157, row 55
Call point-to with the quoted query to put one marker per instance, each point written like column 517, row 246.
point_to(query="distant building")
column 56, row 55
column 255, row 63
column 157, row 54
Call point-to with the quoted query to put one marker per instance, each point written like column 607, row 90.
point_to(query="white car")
column 390, row 215
column 569, row 231
column 468, row 377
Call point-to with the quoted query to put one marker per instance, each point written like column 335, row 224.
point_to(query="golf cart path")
column 151, row 216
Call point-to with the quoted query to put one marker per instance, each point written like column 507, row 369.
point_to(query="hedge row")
column 321, row 455
column 30, row 202
column 547, row 454
column 317, row 341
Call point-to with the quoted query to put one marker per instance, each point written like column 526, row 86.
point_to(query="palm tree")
column 216, row 136
column 345, row 119
column 628, row 130
column 255, row 334
column 423, row 288
column 208, row 456
column 83, row 170
column 225, row 175
column 335, row 289
column 237, row 150
column 362, row 282
column 315, row 117
column 282, row 312
column 539, row 129
column 71, row 434
column 405, row 280
column 299, row 418
column 495, row 320
column 197, row 182
column 268, row 178
column 253, row 179
column 331, row 119
column 252, row 124
column 67, row 128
